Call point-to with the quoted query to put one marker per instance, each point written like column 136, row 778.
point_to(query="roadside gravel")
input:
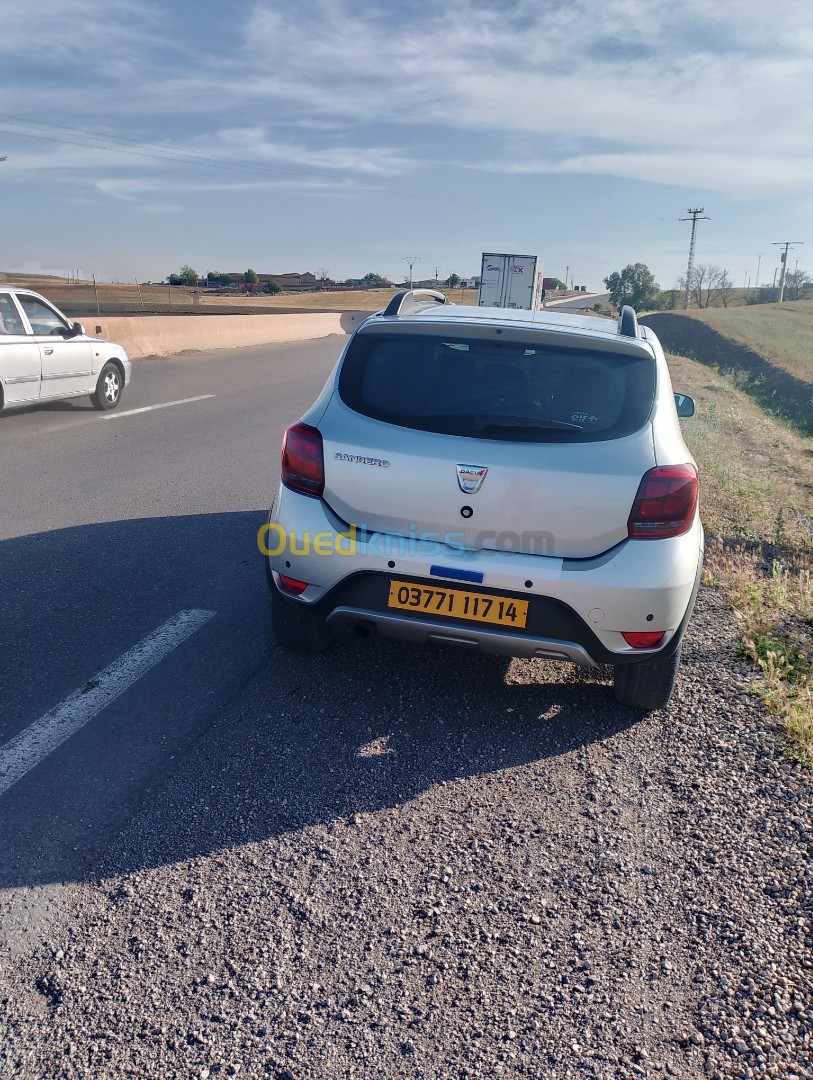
column 398, row 862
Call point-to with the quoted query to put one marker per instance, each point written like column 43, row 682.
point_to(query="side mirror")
column 77, row 329
column 684, row 405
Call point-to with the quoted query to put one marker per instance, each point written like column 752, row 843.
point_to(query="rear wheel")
column 108, row 389
column 648, row 684
column 296, row 627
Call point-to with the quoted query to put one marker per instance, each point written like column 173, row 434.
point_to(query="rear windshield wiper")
column 480, row 423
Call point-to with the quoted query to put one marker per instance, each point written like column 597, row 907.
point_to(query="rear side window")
column 10, row 321
column 524, row 392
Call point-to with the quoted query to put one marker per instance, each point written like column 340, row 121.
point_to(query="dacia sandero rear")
column 508, row 481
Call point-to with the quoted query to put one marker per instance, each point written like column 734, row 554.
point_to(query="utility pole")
column 784, row 260
column 140, row 297
column 567, row 271
column 410, row 260
column 759, row 260
column 695, row 215
column 96, row 291
column 437, row 279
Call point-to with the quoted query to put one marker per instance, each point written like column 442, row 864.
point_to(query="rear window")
column 524, row 392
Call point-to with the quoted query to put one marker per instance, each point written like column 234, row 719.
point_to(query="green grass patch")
column 757, row 508
column 782, row 333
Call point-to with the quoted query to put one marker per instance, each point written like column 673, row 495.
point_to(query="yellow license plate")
column 455, row 604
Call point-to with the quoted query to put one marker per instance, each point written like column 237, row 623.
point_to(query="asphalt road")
column 111, row 525
column 387, row 861
column 580, row 304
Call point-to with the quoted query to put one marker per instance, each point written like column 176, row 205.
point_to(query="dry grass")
column 181, row 298
column 782, row 333
column 757, row 507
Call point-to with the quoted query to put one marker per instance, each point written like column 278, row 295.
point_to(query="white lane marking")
column 149, row 408
column 29, row 747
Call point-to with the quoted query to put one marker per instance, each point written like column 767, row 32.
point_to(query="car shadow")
column 75, row 405
column 231, row 740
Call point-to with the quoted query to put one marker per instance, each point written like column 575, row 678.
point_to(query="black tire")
column 648, row 684
column 107, row 394
column 297, row 627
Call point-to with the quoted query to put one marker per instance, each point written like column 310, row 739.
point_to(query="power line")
column 784, row 261
column 70, row 136
column 183, row 157
column 694, row 216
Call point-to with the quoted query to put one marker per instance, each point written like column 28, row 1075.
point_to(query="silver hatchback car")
column 44, row 357
column 509, row 481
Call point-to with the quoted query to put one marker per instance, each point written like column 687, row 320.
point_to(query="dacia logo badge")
column 471, row 477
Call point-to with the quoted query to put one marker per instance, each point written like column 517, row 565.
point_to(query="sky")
column 346, row 135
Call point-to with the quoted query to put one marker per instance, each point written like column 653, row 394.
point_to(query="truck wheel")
column 648, row 684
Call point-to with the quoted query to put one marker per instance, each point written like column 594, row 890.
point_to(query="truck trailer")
column 511, row 281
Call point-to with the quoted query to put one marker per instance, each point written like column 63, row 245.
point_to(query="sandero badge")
column 471, row 477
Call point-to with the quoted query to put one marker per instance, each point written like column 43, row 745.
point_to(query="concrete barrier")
column 161, row 335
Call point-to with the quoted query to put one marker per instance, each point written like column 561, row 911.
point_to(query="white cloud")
column 711, row 97
column 253, row 143
column 729, row 84
column 81, row 34
column 138, row 189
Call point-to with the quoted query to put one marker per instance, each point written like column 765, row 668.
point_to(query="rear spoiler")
column 408, row 301
column 628, row 322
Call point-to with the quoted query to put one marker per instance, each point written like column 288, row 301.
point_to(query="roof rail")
column 628, row 322
column 409, row 300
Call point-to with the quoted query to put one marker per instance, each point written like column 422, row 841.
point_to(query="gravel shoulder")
column 395, row 862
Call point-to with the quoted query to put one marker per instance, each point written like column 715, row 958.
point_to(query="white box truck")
column 511, row 281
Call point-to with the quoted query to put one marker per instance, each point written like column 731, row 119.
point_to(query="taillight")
column 647, row 639
column 303, row 465
column 665, row 503
column 292, row 585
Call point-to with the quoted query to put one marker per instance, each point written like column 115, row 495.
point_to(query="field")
column 757, row 508
column 79, row 300
column 782, row 333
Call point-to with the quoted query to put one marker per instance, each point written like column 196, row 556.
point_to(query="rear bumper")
column 578, row 607
column 476, row 638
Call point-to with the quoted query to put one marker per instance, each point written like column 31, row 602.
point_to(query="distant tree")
column 272, row 287
column 175, row 279
column 453, row 280
column 476, row 281
column 188, row 276
column 634, row 285
column 217, row 277
column 557, row 283
column 725, row 288
column 373, row 279
column 797, row 284
column 709, row 285
column 251, row 277
column 323, row 276
column 767, row 294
